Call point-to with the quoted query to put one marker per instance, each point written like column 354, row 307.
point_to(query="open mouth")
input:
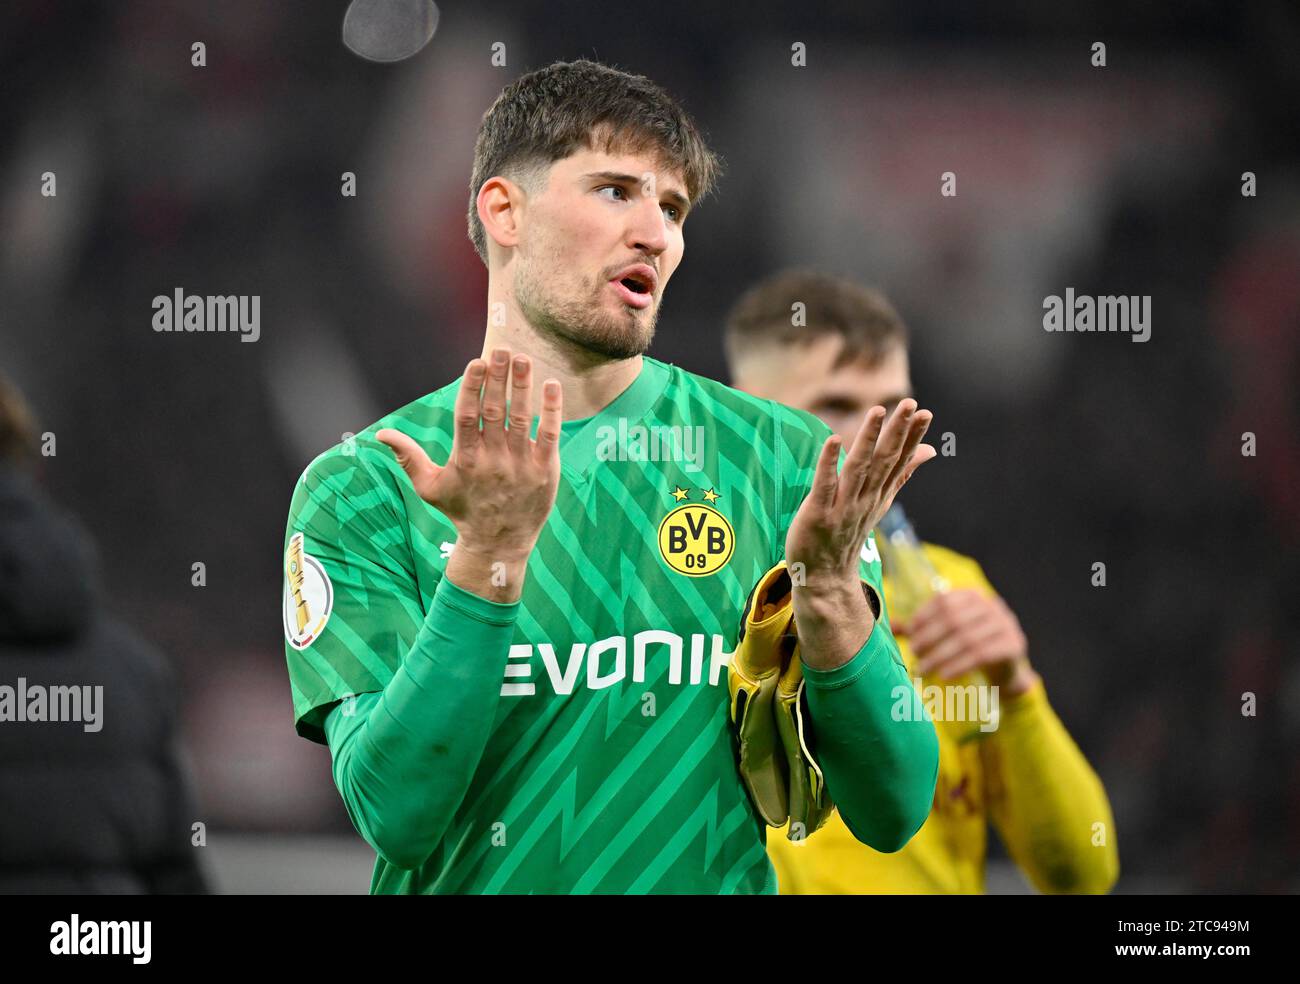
column 633, row 292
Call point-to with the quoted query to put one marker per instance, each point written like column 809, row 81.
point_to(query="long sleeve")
column 403, row 758
column 876, row 744
column 1046, row 801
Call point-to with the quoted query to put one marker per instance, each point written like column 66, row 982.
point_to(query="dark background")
column 1072, row 449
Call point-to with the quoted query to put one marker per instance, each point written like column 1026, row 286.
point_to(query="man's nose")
column 649, row 230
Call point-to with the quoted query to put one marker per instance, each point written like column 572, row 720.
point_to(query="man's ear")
column 501, row 204
column 749, row 375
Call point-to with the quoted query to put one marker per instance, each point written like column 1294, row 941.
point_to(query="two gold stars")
column 680, row 493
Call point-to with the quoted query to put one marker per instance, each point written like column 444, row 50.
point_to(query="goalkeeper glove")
column 765, row 644
column 810, row 804
column 770, row 713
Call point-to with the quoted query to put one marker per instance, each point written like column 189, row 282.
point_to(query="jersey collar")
column 580, row 439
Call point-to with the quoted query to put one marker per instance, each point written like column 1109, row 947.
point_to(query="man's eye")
column 612, row 188
column 677, row 213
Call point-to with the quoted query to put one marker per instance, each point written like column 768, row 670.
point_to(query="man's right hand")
column 498, row 485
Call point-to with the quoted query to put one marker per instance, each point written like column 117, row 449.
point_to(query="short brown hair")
column 547, row 115
column 17, row 427
column 863, row 317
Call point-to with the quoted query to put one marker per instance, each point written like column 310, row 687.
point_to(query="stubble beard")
column 578, row 318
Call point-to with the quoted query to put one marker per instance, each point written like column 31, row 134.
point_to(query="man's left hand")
column 828, row 531
column 825, row 538
column 963, row 630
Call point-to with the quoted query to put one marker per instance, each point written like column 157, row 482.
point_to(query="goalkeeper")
column 513, row 631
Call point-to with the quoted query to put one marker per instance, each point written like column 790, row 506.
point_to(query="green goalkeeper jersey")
column 609, row 763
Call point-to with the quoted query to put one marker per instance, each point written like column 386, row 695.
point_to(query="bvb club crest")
column 695, row 539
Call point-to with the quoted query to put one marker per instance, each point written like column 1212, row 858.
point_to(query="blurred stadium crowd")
column 1072, row 449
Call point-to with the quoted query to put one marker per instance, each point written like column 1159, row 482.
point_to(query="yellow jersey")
column 1027, row 777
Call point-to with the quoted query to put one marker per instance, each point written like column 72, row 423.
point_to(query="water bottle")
column 913, row 580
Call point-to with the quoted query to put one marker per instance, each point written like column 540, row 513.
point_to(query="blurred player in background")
column 97, row 802
column 828, row 346
column 516, row 646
